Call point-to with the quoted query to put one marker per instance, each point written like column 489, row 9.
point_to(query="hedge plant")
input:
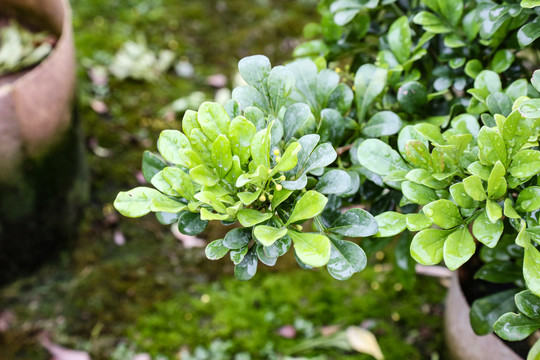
column 412, row 122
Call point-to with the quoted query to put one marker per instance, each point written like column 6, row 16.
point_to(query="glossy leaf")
column 443, row 213
column 355, row 223
column 515, row 327
column 461, row 197
column 412, row 96
column 474, row 188
column 491, row 146
column 487, row 310
column 459, row 247
column 427, row 246
column 190, row 223
column 399, row 39
column 240, row 133
column 267, row 235
column 247, row 268
column 529, row 199
column 310, row 205
column 334, row 182
column 215, row 250
column 382, row 123
column 531, row 269
column 136, row 202
column 346, row 259
column 417, row 222
column 526, row 163
column 151, row 165
column 203, row 176
column 250, row 217
column 311, row 248
column 379, row 157
column 390, row 223
column 369, row 82
column 169, row 142
column 237, row 238
column 417, row 193
column 485, row 231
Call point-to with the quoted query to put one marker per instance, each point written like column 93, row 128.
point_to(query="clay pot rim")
column 64, row 39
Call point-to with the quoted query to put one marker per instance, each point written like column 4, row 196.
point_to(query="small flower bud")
column 279, row 187
column 262, row 198
column 270, row 197
column 299, row 227
column 276, row 152
column 278, row 159
column 282, row 178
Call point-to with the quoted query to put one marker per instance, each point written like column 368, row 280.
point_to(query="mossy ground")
column 147, row 293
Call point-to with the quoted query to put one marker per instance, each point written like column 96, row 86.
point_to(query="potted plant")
column 41, row 171
column 425, row 113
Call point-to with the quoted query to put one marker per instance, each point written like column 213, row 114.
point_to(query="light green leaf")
column 267, row 235
column 427, row 246
column 136, row 202
column 493, row 210
column 221, row 155
column 312, row 249
column 486, row 232
column 443, row 213
column 526, row 163
column 213, row 120
column 390, row 223
column 502, row 60
column 417, row 193
column 203, row 176
column 215, row 250
column 399, row 39
column 310, row 205
column 179, row 181
column 250, row 217
column 491, row 146
column 260, row 148
column 531, row 269
column 474, row 188
column 289, row 158
column 529, row 199
column 169, row 142
column 279, row 197
column 459, row 247
column 461, row 197
column 240, row 133
column 417, row 222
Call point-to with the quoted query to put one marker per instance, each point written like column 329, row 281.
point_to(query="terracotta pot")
column 36, row 105
column 462, row 342
column 43, row 175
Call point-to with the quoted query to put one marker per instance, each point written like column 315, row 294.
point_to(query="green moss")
column 250, row 313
